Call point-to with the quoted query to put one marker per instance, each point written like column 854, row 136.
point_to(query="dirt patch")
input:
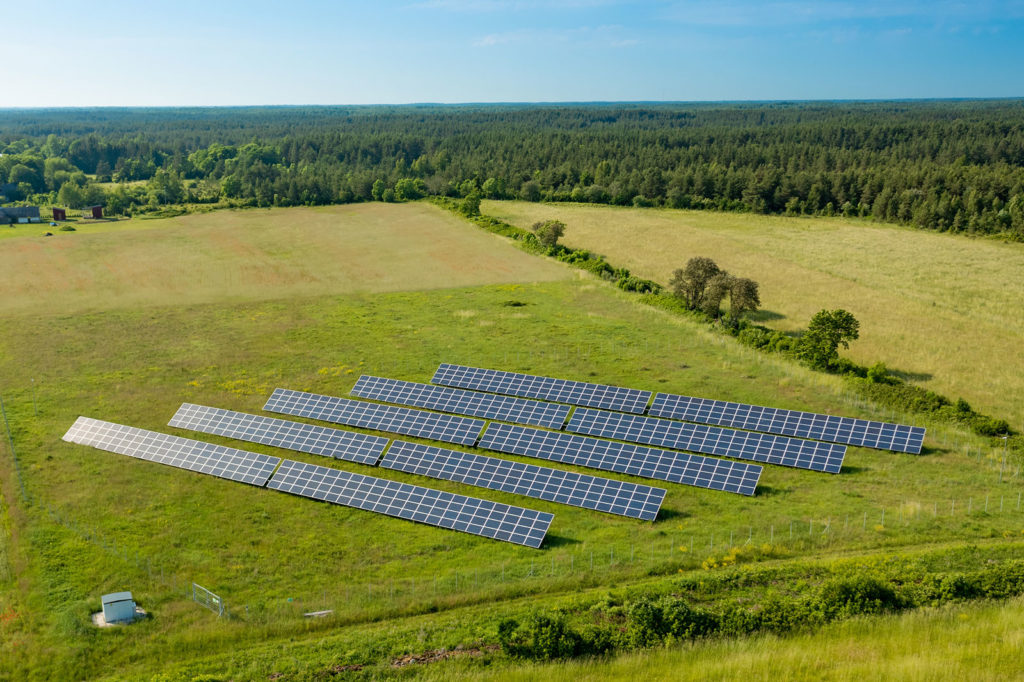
column 442, row 655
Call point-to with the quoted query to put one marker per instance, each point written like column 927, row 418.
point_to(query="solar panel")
column 759, row 447
column 545, row 388
column 488, row 406
column 554, row 485
column 869, row 434
column 318, row 440
column 194, row 455
column 388, row 418
column 623, row 458
column 415, row 503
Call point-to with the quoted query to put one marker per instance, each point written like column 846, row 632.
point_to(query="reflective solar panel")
column 869, row 434
column 623, row 458
column 194, row 455
column 711, row 440
column 545, row 388
column 486, row 405
column 318, row 440
column 554, row 485
column 388, row 418
column 412, row 502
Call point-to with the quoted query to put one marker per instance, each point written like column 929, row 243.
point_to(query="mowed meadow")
column 944, row 311
column 236, row 256
column 391, row 290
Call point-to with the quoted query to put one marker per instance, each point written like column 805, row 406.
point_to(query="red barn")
column 60, row 214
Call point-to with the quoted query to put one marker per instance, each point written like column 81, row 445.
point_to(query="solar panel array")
column 443, row 427
column 623, row 458
column 434, row 507
column 545, row 388
column 458, row 401
column 193, row 455
column 317, row 440
column 870, row 434
column 554, row 485
column 759, row 447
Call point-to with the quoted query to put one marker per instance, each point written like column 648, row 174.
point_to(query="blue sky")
column 303, row 52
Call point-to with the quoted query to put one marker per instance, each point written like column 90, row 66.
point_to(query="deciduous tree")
column 827, row 331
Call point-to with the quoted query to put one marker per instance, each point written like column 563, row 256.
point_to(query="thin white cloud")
column 594, row 36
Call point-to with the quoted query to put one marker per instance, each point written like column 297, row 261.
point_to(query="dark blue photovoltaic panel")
column 553, row 485
column 759, row 447
column 623, row 458
column 193, row 455
column 846, row 430
column 444, row 427
column 544, row 388
column 433, row 507
column 457, row 401
column 318, row 440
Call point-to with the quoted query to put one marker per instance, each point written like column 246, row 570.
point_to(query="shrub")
column 542, row 637
column 856, row 595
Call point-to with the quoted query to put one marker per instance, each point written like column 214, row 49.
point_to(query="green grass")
column 943, row 310
column 102, row 522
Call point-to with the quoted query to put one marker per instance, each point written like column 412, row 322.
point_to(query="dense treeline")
column 956, row 166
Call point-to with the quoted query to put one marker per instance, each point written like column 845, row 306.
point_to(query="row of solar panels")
column 746, row 445
column 842, row 430
column 434, row 507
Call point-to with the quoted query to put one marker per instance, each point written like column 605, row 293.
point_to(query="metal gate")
column 208, row 599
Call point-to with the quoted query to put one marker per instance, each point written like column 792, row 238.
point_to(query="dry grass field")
column 945, row 311
column 238, row 256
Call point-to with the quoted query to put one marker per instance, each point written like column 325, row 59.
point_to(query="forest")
column 944, row 165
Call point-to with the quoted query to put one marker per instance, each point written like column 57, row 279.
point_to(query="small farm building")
column 60, row 214
column 93, row 212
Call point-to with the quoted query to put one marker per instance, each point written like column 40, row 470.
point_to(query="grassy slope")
column 976, row 642
column 943, row 309
column 233, row 256
column 260, row 548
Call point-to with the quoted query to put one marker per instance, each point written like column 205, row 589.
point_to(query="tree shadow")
column 911, row 376
column 766, row 316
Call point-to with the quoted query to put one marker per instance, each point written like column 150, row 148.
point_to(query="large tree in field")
column 743, row 296
column 549, row 231
column 827, row 330
column 691, row 283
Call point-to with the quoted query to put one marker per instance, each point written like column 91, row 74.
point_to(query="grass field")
column 98, row 522
column 943, row 310
column 232, row 256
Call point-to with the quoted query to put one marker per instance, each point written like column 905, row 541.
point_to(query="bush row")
column 651, row 620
